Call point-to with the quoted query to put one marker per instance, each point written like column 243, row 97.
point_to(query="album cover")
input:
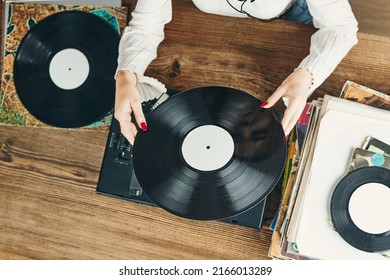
column 294, row 202
column 291, row 153
column 296, row 147
column 302, row 125
column 359, row 93
column 363, row 158
column 275, row 248
column 377, row 146
column 21, row 18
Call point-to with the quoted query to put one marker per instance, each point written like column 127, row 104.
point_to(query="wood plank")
column 372, row 16
column 49, row 208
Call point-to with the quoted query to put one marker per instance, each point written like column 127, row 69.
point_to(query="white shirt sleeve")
column 336, row 35
column 140, row 39
column 334, row 19
column 139, row 42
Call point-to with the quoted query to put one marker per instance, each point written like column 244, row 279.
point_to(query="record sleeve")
column 365, row 95
column 375, row 145
column 364, row 158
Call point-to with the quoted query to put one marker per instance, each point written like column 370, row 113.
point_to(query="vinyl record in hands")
column 64, row 69
column 209, row 153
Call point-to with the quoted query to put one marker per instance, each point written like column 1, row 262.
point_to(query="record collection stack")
column 336, row 196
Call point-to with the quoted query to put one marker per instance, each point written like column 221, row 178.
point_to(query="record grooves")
column 341, row 217
column 209, row 153
column 64, row 69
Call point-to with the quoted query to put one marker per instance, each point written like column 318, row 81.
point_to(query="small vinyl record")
column 64, row 69
column 209, row 153
column 366, row 231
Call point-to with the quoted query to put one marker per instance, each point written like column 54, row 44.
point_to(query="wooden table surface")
column 48, row 176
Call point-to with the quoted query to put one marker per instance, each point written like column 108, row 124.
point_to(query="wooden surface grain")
column 49, row 208
column 373, row 16
column 48, row 176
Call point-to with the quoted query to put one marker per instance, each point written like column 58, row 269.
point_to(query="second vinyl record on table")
column 359, row 208
column 209, row 153
column 64, row 69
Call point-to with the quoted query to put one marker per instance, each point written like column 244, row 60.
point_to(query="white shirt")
column 336, row 34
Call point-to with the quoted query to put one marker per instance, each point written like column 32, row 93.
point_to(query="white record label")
column 208, row 148
column 369, row 208
column 69, row 68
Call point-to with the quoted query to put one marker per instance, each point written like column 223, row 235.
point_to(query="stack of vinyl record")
column 336, row 205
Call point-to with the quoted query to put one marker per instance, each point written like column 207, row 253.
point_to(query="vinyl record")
column 341, row 206
column 64, row 69
column 209, row 153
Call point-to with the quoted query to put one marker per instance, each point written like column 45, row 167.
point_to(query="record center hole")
column 70, row 69
column 208, row 147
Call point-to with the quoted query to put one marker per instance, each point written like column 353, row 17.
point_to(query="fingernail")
column 144, row 127
column 264, row 104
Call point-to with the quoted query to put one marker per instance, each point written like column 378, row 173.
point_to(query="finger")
column 279, row 93
column 139, row 116
column 292, row 114
column 288, row 114
column 134, row 131
column 122, row 114
column 292, row 123
column 128, row 130
column 122, row 108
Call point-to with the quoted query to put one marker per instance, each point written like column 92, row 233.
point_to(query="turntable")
column 232, row 189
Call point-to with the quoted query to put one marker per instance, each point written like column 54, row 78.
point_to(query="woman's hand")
column 295, row 87
column 128, row 100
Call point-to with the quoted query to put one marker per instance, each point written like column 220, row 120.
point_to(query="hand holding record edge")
column 128, row 101
column 191, row 180
column 295, row 88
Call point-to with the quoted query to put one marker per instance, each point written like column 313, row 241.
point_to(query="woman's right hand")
column 127, row 101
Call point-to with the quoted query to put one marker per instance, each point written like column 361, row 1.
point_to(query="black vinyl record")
column 209, row 153
column 64, row 69
column 341, row 217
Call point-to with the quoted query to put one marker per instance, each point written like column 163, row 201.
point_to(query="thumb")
column 280, row 91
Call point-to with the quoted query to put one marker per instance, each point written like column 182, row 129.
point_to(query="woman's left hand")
column 295, row 87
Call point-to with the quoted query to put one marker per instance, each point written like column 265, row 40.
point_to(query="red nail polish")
column 264, row 104
column 144, row 127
